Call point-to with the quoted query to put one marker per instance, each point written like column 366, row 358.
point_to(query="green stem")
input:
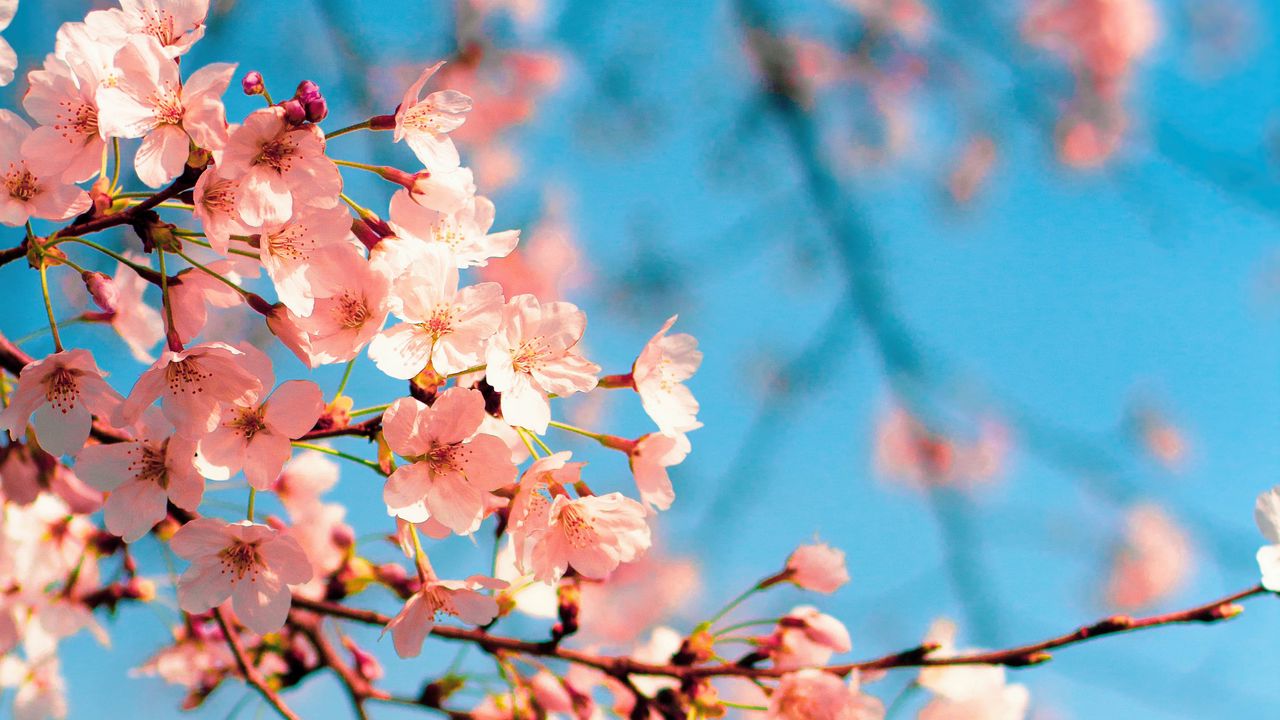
column 524, row 437
column 243, row 293
column 338, row 453
column 253, row 495
column 141, row 269
column 468, row 371
column 598, row 437
column 358, row 165
column 369, row 410
column 346, row 375
column 171, row 334
column 233, row 251
column 48, row 306
column 741, row 706
column 350, row 128
column 115, row 166
column 733, row 604
column 747, row 624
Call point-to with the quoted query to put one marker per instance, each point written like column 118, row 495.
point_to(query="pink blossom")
column 193, row 289
column 136, row 322
column 817, row 567
column 215, row 208
column 64, row 391
column 813, row 694
column 288, row 251
column 66, row 142
column 1266, row 514
column 26, row 194
column 143, row 476
column 590, row 534
column 255, row 431
column 175, row 24
column 424, row 123
column 152, row 101
column 353, row 310
column 443, row 326
column 967, row 692
column 465, row 231
column 251, row 564
column 529, row 508
column 452, row 467
column 807, row 638
column 533, row 353
column 461, row 599
column 279, row 166
column 192, row 384
column 323, row 537
column 28, row 473
column 659, row 374
column 41, row 690
column 303, row 480
column 547, row 263
column 8, row 58
column 1153, row 561
column 637, row 596
column 650, row 457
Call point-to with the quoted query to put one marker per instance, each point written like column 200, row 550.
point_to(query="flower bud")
column 295, row 113
column 307, row 91
column 317, row 109
column 252, row 83
column 102, row 289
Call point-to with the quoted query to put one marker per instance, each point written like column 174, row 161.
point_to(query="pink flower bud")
column 102, row 289
column 295, row 113
column 818, row 567
column 252, row 83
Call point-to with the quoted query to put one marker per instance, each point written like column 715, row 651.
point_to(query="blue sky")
column 1056, row 295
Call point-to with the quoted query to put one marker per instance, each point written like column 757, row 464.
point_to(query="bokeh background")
column 988, row 294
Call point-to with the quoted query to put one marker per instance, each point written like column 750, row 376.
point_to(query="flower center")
column 438, row 600
column 289, row 243
column 220, row 196
column 578, row 528
column 147, row 463
column 422, row 116
column 440, row 323
column 186, row 376
column 20, row 183
column 241, row 559
column 351, row 312
column 528, row 356
column 62, row 390
column 76, row 119
column 168, row 106
column 247, row 421
column 276, row 154
column 160, row 25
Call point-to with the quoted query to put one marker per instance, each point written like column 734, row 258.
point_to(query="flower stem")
column 253, row 495
column 346, row 375
column 733, row 604
column 747, row 624
column 243, row 293
column 171, row 334
column 358, row 165
column 524, row 437
column 338, row 453
column 48, row 306
column 115, row 164
column 468, row 371
column 369, row 410
column 350, row 128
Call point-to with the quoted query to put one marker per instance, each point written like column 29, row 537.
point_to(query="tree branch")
column 250, row 672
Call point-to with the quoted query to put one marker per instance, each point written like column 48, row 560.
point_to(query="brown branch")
column 249, row 671
column 1223, row 608
column 369, row 428
column 8, row 255
column 181, row 184
column 358, row 688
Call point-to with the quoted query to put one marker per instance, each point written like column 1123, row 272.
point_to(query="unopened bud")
column 307, row 91
column 102, row 289
column 252, row 83
column 317, row 109
column 295, row 113
column 343, row 537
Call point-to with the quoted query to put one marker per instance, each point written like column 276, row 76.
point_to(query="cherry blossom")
column 255, row 431
column 250, row 563
column 961, row 692
column 64, row 391
column 175, row 24
column 137, row 323
column 533, row 353
column 215, row 208
column 8, row 58
column 303, row 480
column 1266, row 514
column 659, row 374
column 807, row 638
column 424, row 123
column 41, row 690
column 590, row 534
column 451, row 467
column 143, row 476
column 351, row 314
column 67, row 142
column 443, row 327
column 650, row 457
column 152, row 101
column 460, row 599
column 193, row 290
column 192, row 384
column 464, row 231
column 813, row 694
column 817, row 567
column 25, row 193
column 278, row 166
column 1153, row 561
column 288, row 252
